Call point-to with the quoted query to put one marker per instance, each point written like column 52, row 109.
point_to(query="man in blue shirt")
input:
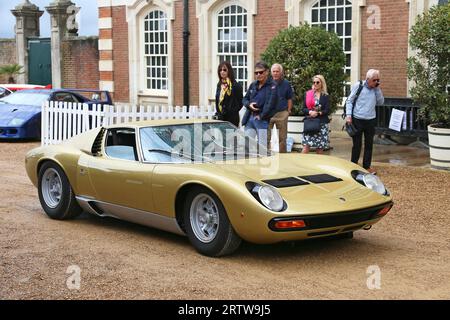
column 364, row 116
column 283, row 107
column 260, row 101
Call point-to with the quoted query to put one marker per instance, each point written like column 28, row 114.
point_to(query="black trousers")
column 366, row 127
column 232, row 117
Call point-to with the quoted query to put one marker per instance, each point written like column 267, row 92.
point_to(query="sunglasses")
column 226, row 70
column 257, row 73
column 376, row 80
column 316, row 82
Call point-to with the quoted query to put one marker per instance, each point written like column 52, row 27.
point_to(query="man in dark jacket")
column 260, row 101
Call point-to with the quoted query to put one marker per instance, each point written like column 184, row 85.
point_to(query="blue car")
column 20, row 112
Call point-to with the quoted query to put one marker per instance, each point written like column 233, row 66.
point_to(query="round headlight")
column 374, row 183
column 270, row 198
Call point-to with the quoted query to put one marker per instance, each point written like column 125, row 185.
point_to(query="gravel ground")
column 119, row 260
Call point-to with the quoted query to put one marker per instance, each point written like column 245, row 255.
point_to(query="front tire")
column 55, row 193
column 207, row 224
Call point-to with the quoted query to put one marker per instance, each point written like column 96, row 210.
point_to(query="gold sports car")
column 207, row 180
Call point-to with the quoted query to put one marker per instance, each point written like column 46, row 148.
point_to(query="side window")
column 74, row 98
column 121, row 144
column 65, row 97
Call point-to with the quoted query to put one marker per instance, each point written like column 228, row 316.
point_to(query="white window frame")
column 143, row 86
column 207, row 15
column 136, row 11
column 216, row 53
column 299, row 11
column 341, row 38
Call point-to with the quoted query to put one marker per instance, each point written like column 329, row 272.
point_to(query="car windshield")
column 25, row 98
column 201, row 142
column 3, row 92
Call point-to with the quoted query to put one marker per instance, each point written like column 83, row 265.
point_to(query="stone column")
column 58, row 17
column 27, row 25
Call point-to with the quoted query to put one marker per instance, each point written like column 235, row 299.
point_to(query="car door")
column 118, row 177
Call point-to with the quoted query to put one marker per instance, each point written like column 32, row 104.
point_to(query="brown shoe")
column 372, row 171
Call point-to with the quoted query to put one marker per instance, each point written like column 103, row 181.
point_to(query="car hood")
column 283, row 166
column 9, row 112
column 330, row 184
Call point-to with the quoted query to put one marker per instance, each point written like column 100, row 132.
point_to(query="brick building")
column 141, row 41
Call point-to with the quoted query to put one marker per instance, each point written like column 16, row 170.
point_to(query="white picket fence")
column 62, row 120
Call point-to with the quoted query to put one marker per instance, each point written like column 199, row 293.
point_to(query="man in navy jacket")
column 260, row 101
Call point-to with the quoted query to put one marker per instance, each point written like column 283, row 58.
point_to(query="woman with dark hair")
column 228, row 94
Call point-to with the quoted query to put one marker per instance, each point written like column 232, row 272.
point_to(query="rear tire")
column 207, row 225
column 55, row 193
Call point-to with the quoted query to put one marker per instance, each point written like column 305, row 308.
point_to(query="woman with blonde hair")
column 317, row 105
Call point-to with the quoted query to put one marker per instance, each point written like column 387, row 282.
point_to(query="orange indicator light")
column 383, row 211
column 290, row 224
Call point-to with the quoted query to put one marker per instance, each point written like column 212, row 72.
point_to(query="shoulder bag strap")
column 357, row 95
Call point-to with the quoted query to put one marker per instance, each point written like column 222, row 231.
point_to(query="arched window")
column 156, row 57
column 336, row 16
column 232, row 40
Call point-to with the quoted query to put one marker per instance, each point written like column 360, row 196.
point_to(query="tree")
column 429, row 69
column 305, row 51
column 11, row 70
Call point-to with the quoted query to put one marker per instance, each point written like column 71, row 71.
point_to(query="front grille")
column 319, row 221
column 8, row 131
column 338, row 219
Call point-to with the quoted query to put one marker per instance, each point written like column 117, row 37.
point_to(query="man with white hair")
column 360, row 110
column 284, row 106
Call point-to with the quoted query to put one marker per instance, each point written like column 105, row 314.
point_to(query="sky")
column 87, row 17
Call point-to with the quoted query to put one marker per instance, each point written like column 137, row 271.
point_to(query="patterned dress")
column 320, row 139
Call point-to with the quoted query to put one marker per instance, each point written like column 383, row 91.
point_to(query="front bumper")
column 313, row 222
column 317, row 225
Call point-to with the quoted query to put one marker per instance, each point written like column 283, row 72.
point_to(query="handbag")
column 311, row 125
column 351, row 129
